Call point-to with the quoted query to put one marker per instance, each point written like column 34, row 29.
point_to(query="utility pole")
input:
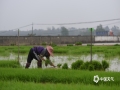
column 91, row 29
column 91, row 44
column 18, row 45
column 32, row 28
column 32, row 34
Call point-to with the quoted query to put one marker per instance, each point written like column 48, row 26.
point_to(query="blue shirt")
column 38, row 50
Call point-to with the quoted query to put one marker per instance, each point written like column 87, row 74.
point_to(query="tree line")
column 63, row 31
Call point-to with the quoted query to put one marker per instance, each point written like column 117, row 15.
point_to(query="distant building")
column 110, row 33
column 102, row 33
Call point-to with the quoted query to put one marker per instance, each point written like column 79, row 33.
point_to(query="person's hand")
column 54, row 66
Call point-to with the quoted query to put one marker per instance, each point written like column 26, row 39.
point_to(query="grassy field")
column 15, row 85
column 13, row 77
column 55, row 79
column 56, row 76
column 107, row 51
column 9, row 64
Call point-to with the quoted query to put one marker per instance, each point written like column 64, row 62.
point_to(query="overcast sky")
column 18, row 13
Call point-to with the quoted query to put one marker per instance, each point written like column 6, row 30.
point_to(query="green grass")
column 56, row 76
column 5, row 50
column 15, row 85
column 14, row 78
column 108, row 51
column 9, row 63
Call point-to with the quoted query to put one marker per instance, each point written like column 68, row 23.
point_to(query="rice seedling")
column 59, row 65
column 9, row 64
column 77, row 64
column 105, row 64
column 108, row 51
column 57, row 76
column 60, row 51
column 91, row 67
column 18, row 85
column 94, row 65
column 65, row 66
column 12, row 77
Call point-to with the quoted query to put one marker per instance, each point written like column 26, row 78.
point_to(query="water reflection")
column 114, row 62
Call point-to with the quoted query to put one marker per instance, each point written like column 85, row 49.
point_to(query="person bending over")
column 38, row 53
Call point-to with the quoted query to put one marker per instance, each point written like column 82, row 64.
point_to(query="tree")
column 106, row 28
column 116, row 30
column 100, row 28
column 64, row 31
column 53, row 28
column 48, row 28
column 31, row 34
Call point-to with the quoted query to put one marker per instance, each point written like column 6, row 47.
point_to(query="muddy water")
column 114, row 62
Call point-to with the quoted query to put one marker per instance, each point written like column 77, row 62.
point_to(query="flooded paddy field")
column 69, row 59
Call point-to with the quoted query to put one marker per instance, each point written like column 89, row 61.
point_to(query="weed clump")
column 65, row 66
column 69, row 44
column 85, row 65
column 97, row 65
column 90, row 67
column 90, row 45
column 105, row 64
column 47, row 62
column 53, row 44
column 78, row 43
column 94, row 65
column 116, row 45
column 77, row 64
column 59, row 65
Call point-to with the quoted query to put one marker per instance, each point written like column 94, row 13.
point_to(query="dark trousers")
column 30, row 57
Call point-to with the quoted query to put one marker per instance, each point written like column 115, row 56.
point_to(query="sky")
column 18, row 13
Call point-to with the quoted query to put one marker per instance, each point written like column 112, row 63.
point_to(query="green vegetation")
column 90, row 45
column 56, row 76
column 44, row 43
column 65, row 66
column 85, row 65
column 6, row 50
column 105, row 64
column 80, row 77
column 9, row 64
column 13, row 44
column 47, row 62
column 90, row 67
column 59, row 65
column 53, row 44
column 97, row 65
column 69, row 44
column 107, row 51
column 14, row 85
column 117, row 45
column 77, row 64
column 94, row 65
column 78, row 43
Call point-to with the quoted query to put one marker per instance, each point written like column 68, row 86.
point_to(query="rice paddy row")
column 15, row 85
column 57, row 76
column 107, row 51
column 13, row 77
